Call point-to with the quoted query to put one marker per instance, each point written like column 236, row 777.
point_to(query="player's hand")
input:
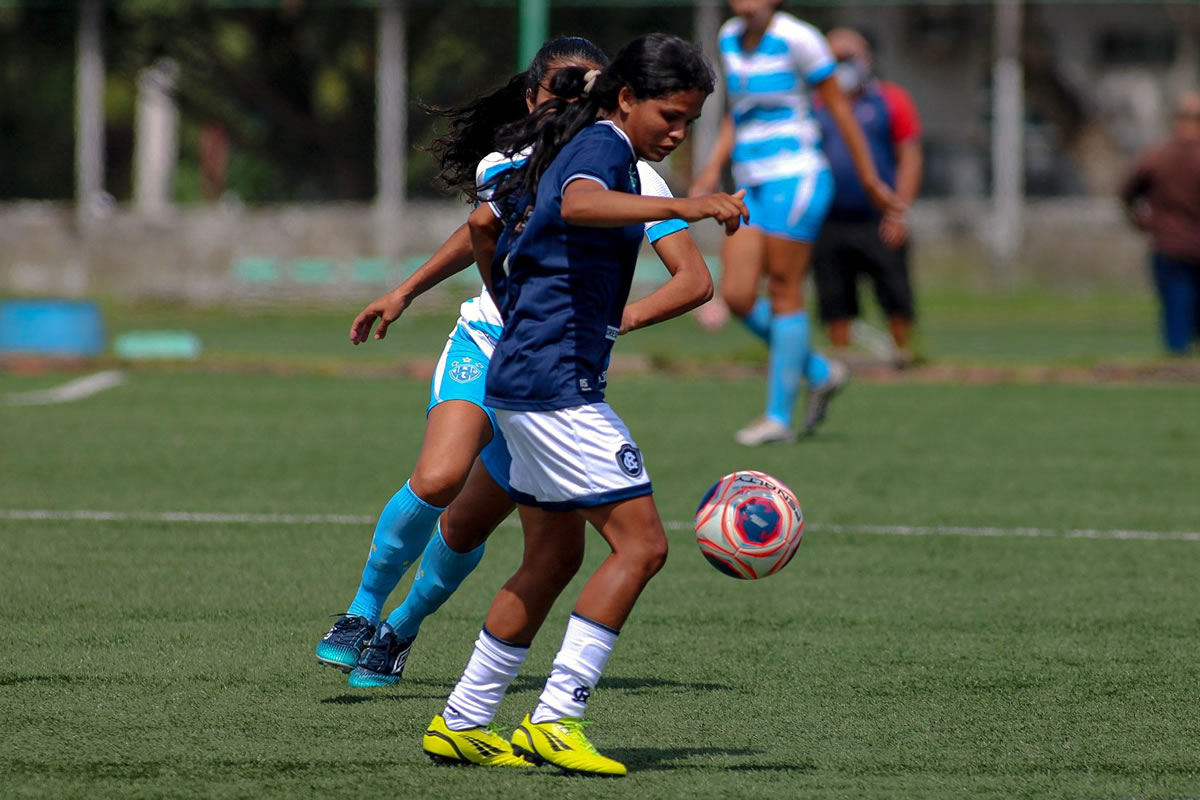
column 894, row 231
column 387, row 309
column 884, row 199
column 728, row 209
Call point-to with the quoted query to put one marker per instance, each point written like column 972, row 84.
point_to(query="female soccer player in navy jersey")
column 463, row 462
column 773, row 62
column 564, row 272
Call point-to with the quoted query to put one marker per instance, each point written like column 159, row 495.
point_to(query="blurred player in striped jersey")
column 772, row 62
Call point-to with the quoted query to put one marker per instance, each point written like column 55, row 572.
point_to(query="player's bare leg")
column 839, row 333
column 553, row 553
column 455, row 432
column 553, row 733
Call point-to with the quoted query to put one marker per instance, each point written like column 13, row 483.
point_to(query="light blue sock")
column 785, row 364
column 758, row 321
column 402, row 531
column 442, row 571
column 816, row 368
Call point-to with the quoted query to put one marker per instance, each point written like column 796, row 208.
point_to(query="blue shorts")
column 460, row 375
column 794, row 207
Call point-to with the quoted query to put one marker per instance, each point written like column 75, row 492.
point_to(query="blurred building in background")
column 210, row 151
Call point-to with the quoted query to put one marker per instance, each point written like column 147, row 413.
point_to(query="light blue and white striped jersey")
column 775, row 132
column 479, row 315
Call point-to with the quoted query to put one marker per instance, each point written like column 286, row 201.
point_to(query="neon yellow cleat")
column 479, row 746
column 562, row 743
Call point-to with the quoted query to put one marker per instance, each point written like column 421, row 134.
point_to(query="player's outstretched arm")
column 690, row 284
column 589, row 204
column 485, row 229
column 451, row 258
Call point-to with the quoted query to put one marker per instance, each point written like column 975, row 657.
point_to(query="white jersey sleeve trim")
column 583, row 176
column 653, row 185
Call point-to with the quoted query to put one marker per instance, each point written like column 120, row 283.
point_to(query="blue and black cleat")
column 342, row 646
column 382, row 662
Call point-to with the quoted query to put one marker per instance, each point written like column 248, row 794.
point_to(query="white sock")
column 577, row 667
column 478, row 693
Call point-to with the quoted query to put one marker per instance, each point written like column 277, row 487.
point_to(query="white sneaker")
column 819, row 397
column 764, row 430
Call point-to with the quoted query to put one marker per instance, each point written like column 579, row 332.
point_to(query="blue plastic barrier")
column 51, row 328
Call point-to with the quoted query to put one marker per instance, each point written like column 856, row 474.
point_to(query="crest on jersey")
column 629, row 459
column 633, row 179
column 465, row 370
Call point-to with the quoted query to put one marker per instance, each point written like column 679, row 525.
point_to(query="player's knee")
column 785, row 298
column 438, row 483
column 784, row 286
column 647, row 556
column 739, row 302
column 562, row 570
column 656, row 557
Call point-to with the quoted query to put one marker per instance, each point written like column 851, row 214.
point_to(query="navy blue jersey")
column 566, row 285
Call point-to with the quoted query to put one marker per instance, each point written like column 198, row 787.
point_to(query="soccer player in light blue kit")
column 563, row 274
column 772, row 60
column 463, row 462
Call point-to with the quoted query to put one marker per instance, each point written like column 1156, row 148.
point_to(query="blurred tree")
column 37, row 85
column 291, row 84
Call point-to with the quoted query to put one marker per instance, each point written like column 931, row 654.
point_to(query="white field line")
column 217, row 517
column 76, row 389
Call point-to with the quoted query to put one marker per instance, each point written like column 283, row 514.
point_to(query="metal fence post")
column 89, row 111
column 1008, row 134
column 391, row 104
column 707, row 25
column 534, row 21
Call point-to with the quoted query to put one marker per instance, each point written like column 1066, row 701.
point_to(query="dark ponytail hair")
column 654, row 65
column 473, row 125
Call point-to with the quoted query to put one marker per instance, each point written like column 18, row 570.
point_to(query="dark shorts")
column 847, row 250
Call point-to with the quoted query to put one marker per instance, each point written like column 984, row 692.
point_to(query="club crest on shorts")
column 629, row 459
column 464, row 370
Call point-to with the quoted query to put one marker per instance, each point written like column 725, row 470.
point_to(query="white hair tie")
column 589, row 80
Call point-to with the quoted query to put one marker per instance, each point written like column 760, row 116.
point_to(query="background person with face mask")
column 855, row 240
column 776, row 67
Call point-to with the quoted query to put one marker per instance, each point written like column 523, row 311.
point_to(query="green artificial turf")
column 954, row 327
column 168, row 658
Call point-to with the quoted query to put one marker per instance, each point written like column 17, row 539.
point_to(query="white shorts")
column 572, row 458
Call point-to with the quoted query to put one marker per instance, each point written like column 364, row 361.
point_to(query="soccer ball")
column 749, row 525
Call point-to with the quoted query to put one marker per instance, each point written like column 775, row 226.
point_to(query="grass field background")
column 956, row 326
column 159, row 658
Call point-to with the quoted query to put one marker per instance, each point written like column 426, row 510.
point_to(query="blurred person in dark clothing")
column 856, row 240
column 1162, row 196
